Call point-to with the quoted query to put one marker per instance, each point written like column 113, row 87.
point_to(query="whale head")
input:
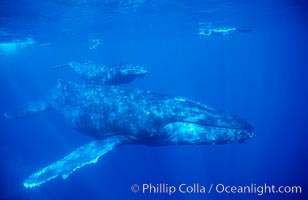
column 199, row 124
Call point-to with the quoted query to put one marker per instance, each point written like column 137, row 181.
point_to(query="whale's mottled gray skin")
column 151, row 118
column 115, row 116
column 105, row 75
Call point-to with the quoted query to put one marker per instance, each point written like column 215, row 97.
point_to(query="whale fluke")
column 84, row 155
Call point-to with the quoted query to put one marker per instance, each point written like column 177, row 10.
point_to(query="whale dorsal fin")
column 84, row 155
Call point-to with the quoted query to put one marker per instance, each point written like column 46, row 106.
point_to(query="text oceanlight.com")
column 197, row 188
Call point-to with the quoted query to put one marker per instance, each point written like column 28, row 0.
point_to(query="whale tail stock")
column 84, row 155
column 27, row 110
column 60, row 66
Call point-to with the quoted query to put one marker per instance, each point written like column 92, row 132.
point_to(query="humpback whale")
column 105, row 75
column 115, row 116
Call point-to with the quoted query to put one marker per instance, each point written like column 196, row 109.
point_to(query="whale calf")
column 105, row 75
column 116, row 116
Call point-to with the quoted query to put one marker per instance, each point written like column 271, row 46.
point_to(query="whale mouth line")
column 200, row 133
column 248, row 128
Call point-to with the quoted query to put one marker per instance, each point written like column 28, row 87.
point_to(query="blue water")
column 260, row 75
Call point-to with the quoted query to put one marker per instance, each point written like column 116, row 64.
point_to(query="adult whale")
column 116, row 116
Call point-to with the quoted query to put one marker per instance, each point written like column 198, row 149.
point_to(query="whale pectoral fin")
column 27, row 110
column 84, row 155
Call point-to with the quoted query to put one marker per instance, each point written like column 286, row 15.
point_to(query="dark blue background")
column 261, row 76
